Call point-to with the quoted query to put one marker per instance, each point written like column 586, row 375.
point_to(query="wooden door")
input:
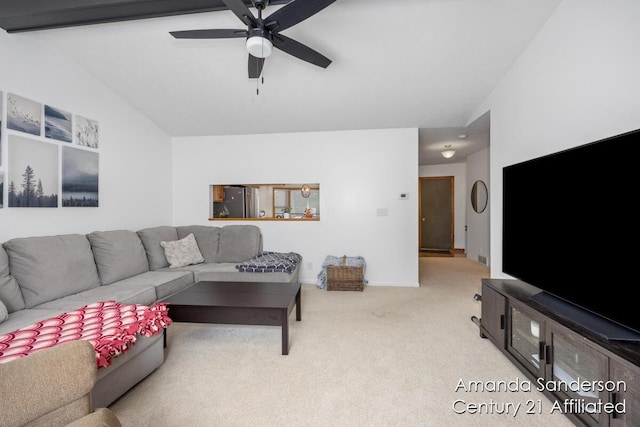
column 436, row 215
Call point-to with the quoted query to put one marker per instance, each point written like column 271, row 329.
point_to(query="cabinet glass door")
column 573, row 365
column 525, row 338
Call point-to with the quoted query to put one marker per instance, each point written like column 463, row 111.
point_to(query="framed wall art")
column 57, row 124
column 24, row 115
column 79, row 177
column 87, row 133
column 33, row 173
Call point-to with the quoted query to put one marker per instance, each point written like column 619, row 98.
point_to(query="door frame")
column 451, row 179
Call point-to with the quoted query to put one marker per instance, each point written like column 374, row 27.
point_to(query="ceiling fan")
column 264, row 34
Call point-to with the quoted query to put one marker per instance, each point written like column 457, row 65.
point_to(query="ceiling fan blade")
column 241, row 11
column 300, row 51
column 294, row 12
column 255, row 66
column 209, row 34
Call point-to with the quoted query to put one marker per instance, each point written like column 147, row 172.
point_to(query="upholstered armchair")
column 52, row 387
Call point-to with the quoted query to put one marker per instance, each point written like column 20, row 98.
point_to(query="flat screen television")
column 570, row 228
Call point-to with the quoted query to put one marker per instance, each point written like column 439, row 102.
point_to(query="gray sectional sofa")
column 42, row 277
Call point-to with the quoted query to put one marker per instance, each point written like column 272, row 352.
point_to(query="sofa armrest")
column 49, row 387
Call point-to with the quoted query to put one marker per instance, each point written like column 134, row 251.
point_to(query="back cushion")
column 239, row 243
column 151, row 238
column 208, row 239
column 51, row 267
column 119, row 254
column 10, row 293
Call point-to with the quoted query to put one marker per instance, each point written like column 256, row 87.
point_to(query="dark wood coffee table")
column 239, row 303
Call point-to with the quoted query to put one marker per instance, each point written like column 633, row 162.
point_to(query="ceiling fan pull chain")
column 258, row 81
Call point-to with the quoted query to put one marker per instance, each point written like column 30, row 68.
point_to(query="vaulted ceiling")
column 427, row 64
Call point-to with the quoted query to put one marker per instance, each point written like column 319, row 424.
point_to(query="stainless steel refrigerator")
column 239, row 202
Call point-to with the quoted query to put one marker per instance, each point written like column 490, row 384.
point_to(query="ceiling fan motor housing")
column 260, row 4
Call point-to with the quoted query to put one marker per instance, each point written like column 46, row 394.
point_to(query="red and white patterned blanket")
column 111, row 328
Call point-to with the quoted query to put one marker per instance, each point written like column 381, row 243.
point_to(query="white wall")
column 459, row 173
column 478, row 223
column 135, row 166
column 577, row 82
column 358, row 172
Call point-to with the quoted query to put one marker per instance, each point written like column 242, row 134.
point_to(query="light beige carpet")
column 387, row 356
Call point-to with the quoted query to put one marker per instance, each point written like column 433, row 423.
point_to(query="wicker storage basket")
column 344, row 277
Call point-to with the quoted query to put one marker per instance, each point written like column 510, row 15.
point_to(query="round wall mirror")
column 479, row 196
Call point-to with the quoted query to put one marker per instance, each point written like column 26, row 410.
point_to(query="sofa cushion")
column 51, row 267
column 4, row 314
column 27, row 317
column 166, row 283
column 151, row 238
column 10, row 293
column 119, row 254
column 208, row 239
column 182, row 252
column 239, row 243
column 144, row 294
column 227, row 272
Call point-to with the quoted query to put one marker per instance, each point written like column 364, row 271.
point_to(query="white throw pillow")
column 182, row 252
column 4, row 313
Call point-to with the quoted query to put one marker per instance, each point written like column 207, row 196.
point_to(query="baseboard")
column 444, row 253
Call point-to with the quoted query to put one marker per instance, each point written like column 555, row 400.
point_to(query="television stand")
column 547, row 340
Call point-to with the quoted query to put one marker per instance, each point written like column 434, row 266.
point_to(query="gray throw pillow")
column 182, row 252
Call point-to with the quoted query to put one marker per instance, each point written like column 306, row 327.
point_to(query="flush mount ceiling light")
column 448, row 152
column 305, row 190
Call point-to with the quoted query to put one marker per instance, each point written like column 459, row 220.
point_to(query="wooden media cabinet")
column 594, row 381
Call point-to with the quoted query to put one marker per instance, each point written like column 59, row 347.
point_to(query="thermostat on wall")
column 403, row 196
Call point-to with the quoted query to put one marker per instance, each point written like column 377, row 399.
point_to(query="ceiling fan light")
column 259, row 47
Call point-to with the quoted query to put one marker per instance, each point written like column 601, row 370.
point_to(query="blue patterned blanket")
column 270, row 262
